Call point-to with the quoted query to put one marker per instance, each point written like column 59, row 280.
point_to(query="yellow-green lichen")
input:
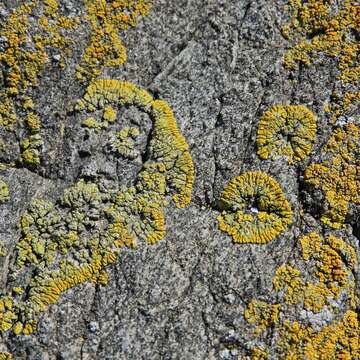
column 5, row 356
column 124, row 142
column 286, row 130
column 337, row 176
column 4, row 191
column 75, row 238
column 31, row 150
column 107, row 18
column 255, row 209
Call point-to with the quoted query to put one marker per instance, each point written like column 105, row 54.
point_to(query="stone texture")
column 218, row 63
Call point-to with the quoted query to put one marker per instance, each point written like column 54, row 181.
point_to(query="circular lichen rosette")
column 286, row 130
column 255, row 209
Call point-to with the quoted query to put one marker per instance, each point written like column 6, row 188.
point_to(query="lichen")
column 337, row 175
column 255, row 209
column 339, row 340
column 31, row 149
column 28, row 33
column 331, row 262
column 124, row 142
column 286, row 130
column 74, row 239
column 106, row 49
column 333, row 274
column 5, row 356
column 259, row 354
column 326, row 27
column 4, row 191
column 262, row 314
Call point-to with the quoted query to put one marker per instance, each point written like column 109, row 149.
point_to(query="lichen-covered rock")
column 127, row 129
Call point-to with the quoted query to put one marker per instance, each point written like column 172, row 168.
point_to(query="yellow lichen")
column 259, row 354
column 286, row 130
column 337, row 176
column 109, row 114
column 332, row 263
column 326, row 27
column 4, row 191
column 255, row 209
column 107, row 18
column 5, row 356
column 333, row 274
column 262, row 314
column 74, row 239
column 27, row 38
column 339, row 340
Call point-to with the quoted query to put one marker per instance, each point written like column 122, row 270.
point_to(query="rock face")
column 189, row 291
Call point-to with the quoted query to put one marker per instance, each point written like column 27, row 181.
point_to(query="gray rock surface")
column 219, row 64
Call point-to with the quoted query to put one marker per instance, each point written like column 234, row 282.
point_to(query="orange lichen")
column 326, row 27
column 332, row 263
column 337, row 176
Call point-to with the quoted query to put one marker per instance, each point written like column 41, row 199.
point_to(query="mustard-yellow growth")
column 28, row 34
column 74, row 239
column 261, row 314
column 339, row 340
column 259, row 354
column 286, row 130
column 326, row 27
column 255, row 209
column 4, row 191
column 331, row 263
column 5, row 356
column 335, row 261
column 106, row 49
column 337, row 176
column 109, row 114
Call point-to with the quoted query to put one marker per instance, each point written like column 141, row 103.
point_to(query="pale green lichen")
column 31, row 150
column 124, row 142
